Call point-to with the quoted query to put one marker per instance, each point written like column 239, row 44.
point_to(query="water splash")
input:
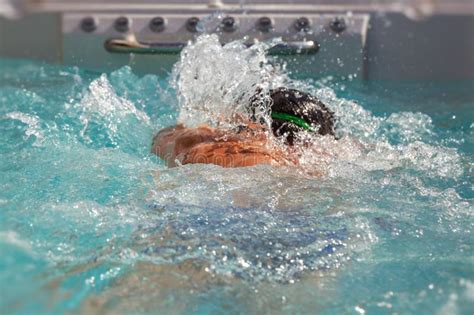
column 285, row 237
column 103, row 112
column 213, row 82
column 33, row 125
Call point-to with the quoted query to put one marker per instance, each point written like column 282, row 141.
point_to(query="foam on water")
column 100, row 225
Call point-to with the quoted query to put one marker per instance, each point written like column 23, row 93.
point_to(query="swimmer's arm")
column 164, row 143
column 233, row 154
column 173, row 143
column 212, row 146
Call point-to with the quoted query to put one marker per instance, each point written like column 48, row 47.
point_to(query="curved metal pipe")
column 126, row 46
column 131, row 45
column 295, row 48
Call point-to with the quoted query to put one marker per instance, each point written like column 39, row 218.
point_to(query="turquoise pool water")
column 92, row 223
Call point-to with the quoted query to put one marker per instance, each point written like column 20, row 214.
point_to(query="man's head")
column 293, row 111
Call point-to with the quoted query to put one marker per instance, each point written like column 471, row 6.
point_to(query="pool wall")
column 369, row 39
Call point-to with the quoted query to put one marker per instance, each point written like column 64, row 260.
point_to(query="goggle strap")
column 290, row 118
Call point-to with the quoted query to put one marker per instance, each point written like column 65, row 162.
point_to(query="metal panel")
column 340, row 53
column 37, row 37
column 406, row 39
column 438, row 48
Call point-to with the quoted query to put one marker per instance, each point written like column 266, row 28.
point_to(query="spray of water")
column 214, row 82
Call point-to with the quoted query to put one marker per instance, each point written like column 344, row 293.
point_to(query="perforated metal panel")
column 339, row 52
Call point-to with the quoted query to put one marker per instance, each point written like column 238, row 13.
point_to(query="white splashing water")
column 214, row 81
column 367, row 141
column 33, row 125
column 101, row 102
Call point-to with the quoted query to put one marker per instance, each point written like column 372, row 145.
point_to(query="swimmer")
column 292, row 112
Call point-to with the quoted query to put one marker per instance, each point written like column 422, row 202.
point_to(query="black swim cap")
column 293, row 111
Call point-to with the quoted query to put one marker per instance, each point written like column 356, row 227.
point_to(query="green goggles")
column 290, row 118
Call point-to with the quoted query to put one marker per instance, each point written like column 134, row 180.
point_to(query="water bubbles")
column 210, row 23
column 359, row 309
column 110, row 274
column 90, row 281
column 340, row 62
